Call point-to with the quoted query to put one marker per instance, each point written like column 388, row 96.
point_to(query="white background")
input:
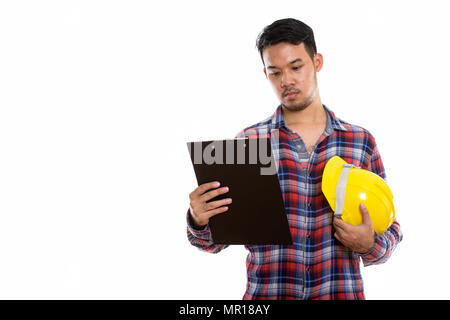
column 98, row 100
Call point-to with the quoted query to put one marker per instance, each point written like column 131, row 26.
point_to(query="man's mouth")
column 291, row 95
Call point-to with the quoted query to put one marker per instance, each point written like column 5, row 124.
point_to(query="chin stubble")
column 303, row 104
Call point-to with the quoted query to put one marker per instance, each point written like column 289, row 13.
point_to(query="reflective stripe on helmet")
column 340, row 190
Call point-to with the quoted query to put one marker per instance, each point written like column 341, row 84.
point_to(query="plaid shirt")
column 316, row 265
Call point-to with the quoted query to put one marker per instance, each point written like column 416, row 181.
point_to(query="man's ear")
column 318, row 61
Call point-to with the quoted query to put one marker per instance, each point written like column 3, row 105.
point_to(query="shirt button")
column 309, row 204
column 307, row 269
column 308, row 236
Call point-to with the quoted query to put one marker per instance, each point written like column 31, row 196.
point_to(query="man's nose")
column 287, row 79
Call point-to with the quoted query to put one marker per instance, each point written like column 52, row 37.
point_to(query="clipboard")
column 256, row 215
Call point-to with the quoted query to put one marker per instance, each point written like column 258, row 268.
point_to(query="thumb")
column 365, row 214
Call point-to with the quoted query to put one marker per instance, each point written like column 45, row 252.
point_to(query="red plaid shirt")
column 316, row 265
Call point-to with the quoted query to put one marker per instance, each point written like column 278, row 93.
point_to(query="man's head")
column 290, row 59
column 287, row 30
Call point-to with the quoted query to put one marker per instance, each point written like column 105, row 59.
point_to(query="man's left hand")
column 358, row 238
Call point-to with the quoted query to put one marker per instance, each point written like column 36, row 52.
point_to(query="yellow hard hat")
column 346, row 186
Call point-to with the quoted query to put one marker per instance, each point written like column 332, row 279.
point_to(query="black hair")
column 287, row 30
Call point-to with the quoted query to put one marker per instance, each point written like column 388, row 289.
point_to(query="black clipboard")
column 256, row 215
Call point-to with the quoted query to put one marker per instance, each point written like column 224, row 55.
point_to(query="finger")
column 365, row 214
column 340, row 224
column 338, row 236
column 203, row 188
column 215, row 204
column 342, row 235
column 214, row 212
column 214, row 193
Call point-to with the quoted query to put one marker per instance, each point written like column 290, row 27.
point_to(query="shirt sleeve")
column 385, row 243
column 201, row 238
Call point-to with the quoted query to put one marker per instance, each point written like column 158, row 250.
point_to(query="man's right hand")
column 202, row 211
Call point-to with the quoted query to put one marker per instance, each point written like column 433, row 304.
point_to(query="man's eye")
column 297, row 68
column 274, row 74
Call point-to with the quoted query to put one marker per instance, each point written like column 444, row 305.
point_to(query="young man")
column 324, row 261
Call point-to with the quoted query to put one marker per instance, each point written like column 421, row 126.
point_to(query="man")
column 324, row 260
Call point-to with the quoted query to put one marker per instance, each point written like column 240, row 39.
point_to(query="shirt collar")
column 333, row 122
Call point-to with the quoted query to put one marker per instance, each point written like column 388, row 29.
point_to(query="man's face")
column 292, row 73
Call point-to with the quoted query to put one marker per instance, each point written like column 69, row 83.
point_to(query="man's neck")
column 313, row 114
